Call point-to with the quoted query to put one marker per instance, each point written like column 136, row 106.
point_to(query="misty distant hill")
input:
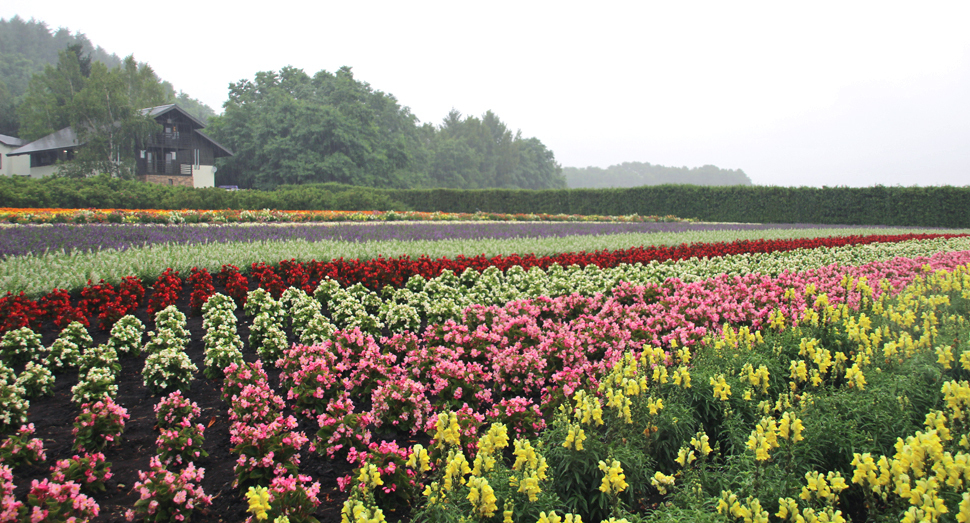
column 635, row 174
column 27, row 47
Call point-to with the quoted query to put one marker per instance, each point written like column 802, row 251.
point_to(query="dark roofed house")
column 179, row 155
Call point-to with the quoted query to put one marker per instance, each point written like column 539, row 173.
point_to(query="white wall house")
column 12, row 165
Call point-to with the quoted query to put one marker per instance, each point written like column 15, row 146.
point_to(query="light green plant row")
column 36, row 275
column 445, row 297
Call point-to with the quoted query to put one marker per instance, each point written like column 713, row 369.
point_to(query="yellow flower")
column 456, row 468
column 355, row 511
column 614, row 480
column 370, row 475
column 482, row 497
column 575, row 438
column 661, row 482
column 855, row 378
column 964, row 515
column 448, row 430
column 682, row 377
column 700, row 441
column 258, row 498
column 419, row 459
column 722, row 390
column 530, row 486
column 685, row 457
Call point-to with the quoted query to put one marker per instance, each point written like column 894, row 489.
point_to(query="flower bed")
column 35, row 240
column 266, row 215
column 690, row 377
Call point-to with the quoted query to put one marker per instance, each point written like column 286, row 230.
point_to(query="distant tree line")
column 27, row 48
column 288, row 127
column 635, row 174
column 901, row 206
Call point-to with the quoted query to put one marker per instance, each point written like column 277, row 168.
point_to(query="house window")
column 198, row 158
column 43, row 158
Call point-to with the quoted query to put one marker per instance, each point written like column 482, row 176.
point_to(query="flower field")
column 24, row 216
column 661, row 372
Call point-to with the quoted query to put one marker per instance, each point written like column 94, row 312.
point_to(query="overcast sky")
column 819, row 93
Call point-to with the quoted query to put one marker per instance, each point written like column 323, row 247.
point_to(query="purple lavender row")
column 37, row 239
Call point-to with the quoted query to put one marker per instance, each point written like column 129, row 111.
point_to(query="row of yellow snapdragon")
column 735, row 430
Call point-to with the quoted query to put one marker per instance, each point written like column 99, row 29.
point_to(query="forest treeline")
column 901, row 206
column 27, row 48
column 635, row 174
column 288, row 127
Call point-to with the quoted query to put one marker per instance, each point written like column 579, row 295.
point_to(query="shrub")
column 99, row 425
column 36, row 380
column 20, row 345
column 167, row 370
column 166, row 496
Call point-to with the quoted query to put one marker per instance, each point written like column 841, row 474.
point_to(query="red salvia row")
column 268, row 279
column 236, row 285
column 202, row 288
column 124, row 300
column 380, row 272
column 57, row 306
column 168, row 288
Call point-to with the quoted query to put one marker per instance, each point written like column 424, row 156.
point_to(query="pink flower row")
column 506, row 363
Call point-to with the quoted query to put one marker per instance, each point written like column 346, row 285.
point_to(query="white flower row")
column 37, row 274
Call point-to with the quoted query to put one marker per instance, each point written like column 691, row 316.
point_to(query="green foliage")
column 291, row 128
column 899, row 206
column 473, row 153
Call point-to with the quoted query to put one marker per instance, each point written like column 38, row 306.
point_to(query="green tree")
column 47, row 105
column 479, row 153
column 290, row 128
column 107, row 118
column 102, row 106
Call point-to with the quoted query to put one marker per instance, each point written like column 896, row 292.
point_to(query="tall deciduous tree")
column 106, row 115
column 478, row 153
column 290, row 128
column 102, row 106
column 47, row 105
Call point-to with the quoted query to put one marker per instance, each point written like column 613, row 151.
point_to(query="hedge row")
column 102, row 192
column 901, row 206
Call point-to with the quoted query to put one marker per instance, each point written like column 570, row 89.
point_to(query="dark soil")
column 53, row 418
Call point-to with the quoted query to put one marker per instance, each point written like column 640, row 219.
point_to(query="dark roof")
column 66, row 138
column 160, row 110
column 11, row 141
column 217, row 144
column 63, row 139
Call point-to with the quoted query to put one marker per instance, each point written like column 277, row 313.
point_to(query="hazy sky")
column 819, row 93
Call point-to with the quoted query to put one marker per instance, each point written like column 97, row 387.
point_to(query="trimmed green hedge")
column 904, row 206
